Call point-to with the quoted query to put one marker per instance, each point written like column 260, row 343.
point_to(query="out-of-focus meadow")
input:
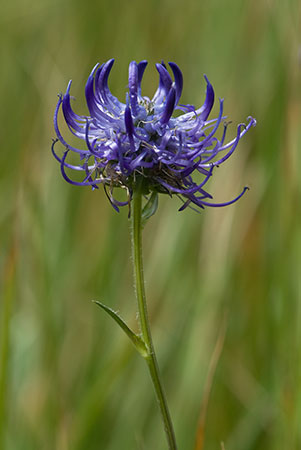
column 69, row 379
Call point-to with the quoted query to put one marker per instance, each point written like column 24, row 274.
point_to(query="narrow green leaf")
column 150, row 208
column 136, row 340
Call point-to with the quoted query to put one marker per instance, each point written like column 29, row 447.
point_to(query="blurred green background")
column 69, row 378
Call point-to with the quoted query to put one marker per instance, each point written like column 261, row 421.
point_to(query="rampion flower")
column 140, row 140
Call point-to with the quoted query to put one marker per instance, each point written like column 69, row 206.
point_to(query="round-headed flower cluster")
column 140, row 141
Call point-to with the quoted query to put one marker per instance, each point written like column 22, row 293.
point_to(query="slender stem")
column 144, row 321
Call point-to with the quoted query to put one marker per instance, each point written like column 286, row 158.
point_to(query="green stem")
column 144, row 321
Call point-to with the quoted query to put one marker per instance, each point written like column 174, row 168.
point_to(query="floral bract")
column 141, row 140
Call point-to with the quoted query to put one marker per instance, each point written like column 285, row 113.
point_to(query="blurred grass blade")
column 200, row 437
column 8, row 293
column 136, row 340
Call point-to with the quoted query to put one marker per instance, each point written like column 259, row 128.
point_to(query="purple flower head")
column 141, row 142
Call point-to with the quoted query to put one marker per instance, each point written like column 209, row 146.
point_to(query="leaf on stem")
column 136, row 340
column 150, row 208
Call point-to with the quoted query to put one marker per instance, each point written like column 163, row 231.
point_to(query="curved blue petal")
column 165, row 83
column 169, row 106
column 245, row 189
column 133, row 86
column 178, row 79
column 141, row 68
column 205, row 110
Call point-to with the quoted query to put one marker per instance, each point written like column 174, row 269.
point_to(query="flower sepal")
column 150, row 208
